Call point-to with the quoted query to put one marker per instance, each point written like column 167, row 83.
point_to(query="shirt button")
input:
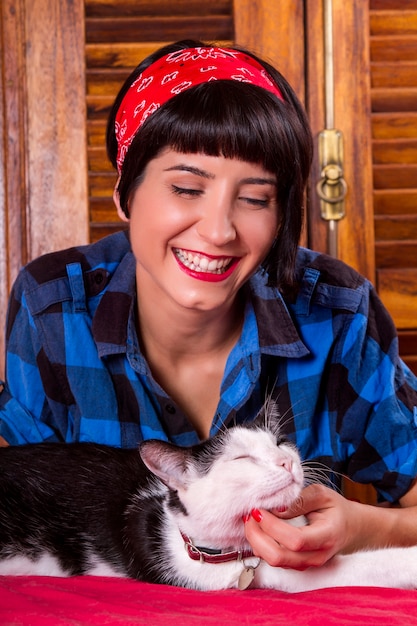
column 170, row 409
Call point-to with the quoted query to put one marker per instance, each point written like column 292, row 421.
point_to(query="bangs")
column 228, row 118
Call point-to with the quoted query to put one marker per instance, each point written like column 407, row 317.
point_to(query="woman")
column 207, row 306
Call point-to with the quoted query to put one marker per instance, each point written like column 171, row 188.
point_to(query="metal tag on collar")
column 247, row 576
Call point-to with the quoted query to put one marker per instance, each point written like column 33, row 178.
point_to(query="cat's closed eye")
column 243, row 456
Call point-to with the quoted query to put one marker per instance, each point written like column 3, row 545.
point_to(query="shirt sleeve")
column 24, row 410
column 376, row 403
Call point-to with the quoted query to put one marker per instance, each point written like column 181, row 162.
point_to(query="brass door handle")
column 332, row 187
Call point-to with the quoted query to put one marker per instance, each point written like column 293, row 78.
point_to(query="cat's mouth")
column 282, row 498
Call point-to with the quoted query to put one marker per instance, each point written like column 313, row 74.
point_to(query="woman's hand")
column 333, row 527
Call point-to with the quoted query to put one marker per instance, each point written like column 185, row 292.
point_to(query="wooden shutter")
column 119, row 34
column 393, row 42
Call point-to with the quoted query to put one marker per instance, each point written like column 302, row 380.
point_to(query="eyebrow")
column 190, row 168
column 198, row 172
column 259, row 181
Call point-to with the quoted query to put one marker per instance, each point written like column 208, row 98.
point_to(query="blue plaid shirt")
column 75, row 371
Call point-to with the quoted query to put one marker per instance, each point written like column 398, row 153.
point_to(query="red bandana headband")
column 175, row 73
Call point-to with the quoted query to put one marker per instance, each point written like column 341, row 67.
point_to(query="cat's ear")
column 166, row 461
column 269, row 417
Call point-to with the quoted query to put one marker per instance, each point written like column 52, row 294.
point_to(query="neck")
column 181, row 334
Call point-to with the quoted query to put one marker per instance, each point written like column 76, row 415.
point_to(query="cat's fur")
column 68, row 509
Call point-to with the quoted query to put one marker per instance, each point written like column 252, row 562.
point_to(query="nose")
column 286, row 464
column 216, row 225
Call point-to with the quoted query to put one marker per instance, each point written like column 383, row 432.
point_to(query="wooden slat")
column 408, row 342
column 98, row 231
column 408, row 347
column 408, row 350
column 393, row 22
column 401, row 99
column 390, row 75
column 392, row 4
column 394, row 125
column 106, row 8
column 397, row 227
column 103, row 211
column 402, row 151
column 123, row 55
column 387, row 48
column 394, row 255
column 394, row 176
column 149, row 29
column 98, row 161
column 104, row 81
column 102, row 185
column 96, row 133
column 401, row 303
column 98, row 107
column 395, row 201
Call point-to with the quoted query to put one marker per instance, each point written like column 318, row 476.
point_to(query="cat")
column 166, row 514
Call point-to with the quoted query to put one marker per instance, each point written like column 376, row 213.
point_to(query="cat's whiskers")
column 316, row 472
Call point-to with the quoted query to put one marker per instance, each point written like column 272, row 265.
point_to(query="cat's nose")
column 286, row 464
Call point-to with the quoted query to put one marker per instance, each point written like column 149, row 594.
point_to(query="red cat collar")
column 208, row 555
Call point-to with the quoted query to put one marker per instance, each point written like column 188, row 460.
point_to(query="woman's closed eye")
column 187, row 192
column 258, row 203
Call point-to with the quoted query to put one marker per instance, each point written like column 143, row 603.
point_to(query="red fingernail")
column 246, row 518
column 257, row 515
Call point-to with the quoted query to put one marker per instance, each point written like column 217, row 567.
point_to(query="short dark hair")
column 235, row 120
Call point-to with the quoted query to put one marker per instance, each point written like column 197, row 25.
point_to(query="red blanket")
column 80, row 601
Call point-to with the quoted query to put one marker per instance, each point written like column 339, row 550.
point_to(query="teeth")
column 201, row 263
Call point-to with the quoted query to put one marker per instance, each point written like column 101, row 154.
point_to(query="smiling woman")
column 206, row 306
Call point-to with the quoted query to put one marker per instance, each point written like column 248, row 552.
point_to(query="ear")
column 116, row 200
column 269, row 416
column 168, row 462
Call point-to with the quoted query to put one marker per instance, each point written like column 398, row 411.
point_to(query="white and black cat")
column 165, row 514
